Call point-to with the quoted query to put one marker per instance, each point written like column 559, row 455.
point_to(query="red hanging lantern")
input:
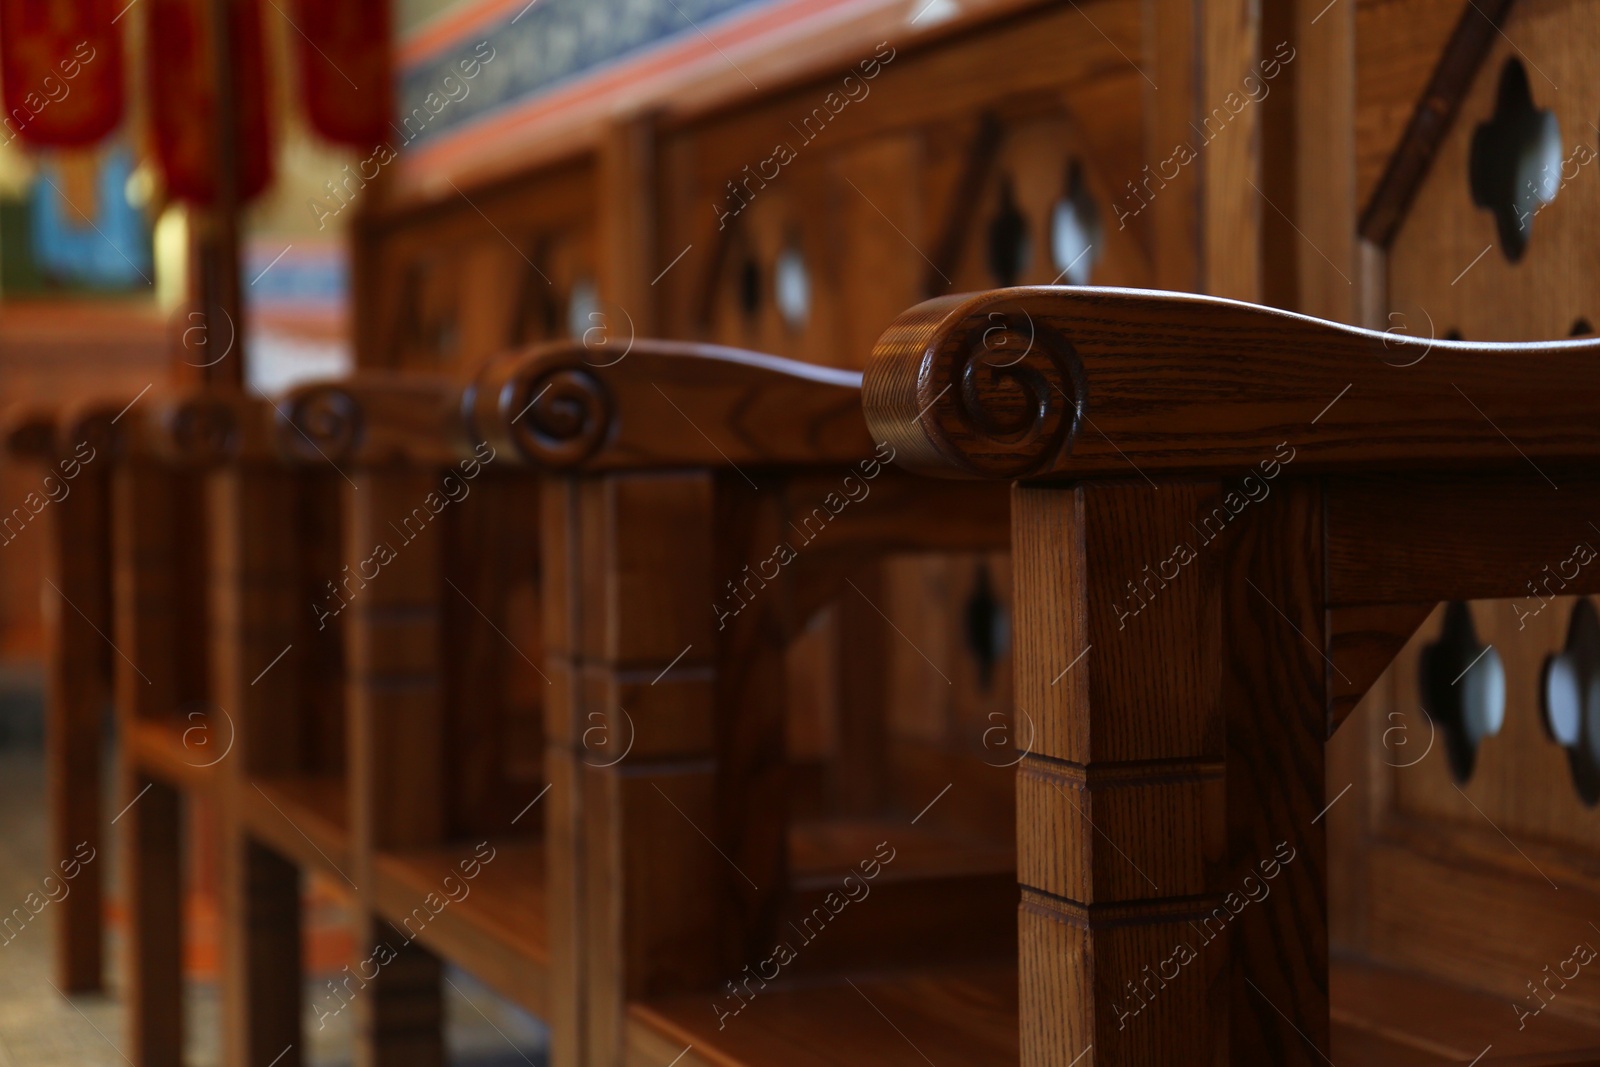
column 61, row 69
column 183, row 100
column 345, row 72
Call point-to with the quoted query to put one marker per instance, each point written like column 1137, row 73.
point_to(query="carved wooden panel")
column 1481, row 881
column 892, row 194
column 1527, row 128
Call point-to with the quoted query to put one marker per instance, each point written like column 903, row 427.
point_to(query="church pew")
column 1226, row 521
column 202, row 509
column 182, row 491
column 699, row 505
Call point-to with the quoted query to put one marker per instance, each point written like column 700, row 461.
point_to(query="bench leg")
column 399, row 1017
column 77, row 560
column 72, row 760
column 153, row 874
column 260, row 935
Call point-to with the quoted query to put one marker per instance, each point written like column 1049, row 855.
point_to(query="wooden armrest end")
column 375, row 418
column 667, row 404
column 29, row 432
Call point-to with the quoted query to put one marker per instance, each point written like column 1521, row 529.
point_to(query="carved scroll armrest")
column 667, row 404
column 375, row 418
column 1083, row 382
column 102, row 427
column 29, row 433
column 203, row 426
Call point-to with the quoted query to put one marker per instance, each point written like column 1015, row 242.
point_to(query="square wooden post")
column 1120, row 804
column 77, row 618
column 257, row 604
column 394, row 701
column 146, row 638
column 631, row 643
column 1169, row 847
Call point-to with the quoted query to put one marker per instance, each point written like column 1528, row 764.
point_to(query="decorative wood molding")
column 375, row 418
column 995, row 385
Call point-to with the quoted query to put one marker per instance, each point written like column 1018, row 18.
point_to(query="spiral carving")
column 322, row 422
column 97, row 428
column 32, row 436
column 204, row 430
column 1010, row 393
column 558, row 418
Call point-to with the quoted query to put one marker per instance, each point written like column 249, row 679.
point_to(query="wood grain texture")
column 561, row 606
column 1120, row 811
column 1324, row 125
column 630, row 253
column 304, row 818
column 490, row 657
column 1395, row 538
column 651, row 568
column 753, row 779
column 1230, row 209
column 1033, row 382
column 1274, row 689
column 442, row 287
column 1362, row 642
column 1395, row 49
column 963, row 1014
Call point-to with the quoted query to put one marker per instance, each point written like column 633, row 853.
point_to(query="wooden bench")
column 1227, row 520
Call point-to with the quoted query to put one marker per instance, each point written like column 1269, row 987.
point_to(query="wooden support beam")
column 1274, row 692
column 1397, row 538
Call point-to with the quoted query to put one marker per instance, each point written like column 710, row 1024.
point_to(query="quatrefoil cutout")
column 1570, row 698
column 1515, row 164
column 1009, row 249
column 1463, row 689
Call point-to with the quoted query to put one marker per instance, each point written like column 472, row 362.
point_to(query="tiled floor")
column 41, row 1028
